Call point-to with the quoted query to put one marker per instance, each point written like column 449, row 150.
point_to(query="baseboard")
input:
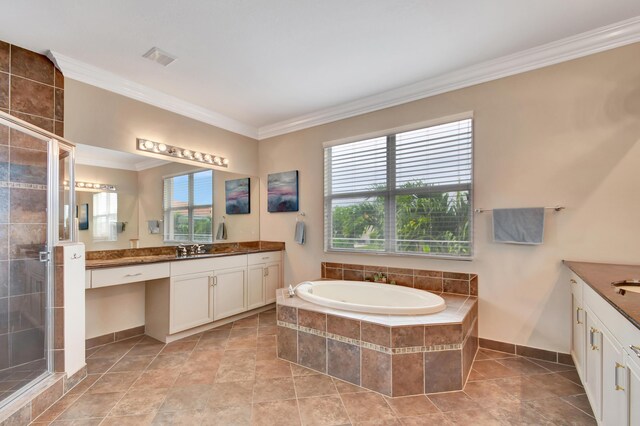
column 113, row 337
column 527, row 351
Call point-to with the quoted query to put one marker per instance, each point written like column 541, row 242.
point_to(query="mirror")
column 156, row 202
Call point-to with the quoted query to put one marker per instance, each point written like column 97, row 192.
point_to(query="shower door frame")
column 55, row 145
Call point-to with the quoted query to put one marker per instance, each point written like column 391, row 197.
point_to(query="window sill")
column 391, row 254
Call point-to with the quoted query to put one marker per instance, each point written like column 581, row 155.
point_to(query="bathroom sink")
column 627, row 285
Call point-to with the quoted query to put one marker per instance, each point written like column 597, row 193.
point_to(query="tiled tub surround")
column 389, row 354
column 434, row 281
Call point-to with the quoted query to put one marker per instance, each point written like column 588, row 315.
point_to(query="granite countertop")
column 599, row 277
column 129, row 257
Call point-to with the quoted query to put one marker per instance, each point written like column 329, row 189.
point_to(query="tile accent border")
column 422, row 279
column 527, row 351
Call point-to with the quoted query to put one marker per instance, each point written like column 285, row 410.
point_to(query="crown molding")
column 584, row 44
column 89, row 74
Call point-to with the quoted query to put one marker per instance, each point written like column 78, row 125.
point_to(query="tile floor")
column 231, row 376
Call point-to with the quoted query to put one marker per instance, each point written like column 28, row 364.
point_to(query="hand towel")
column 518, row 226
column 222, row 231
column 300, row 233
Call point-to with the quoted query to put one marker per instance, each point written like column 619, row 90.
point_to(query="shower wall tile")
column 27, row 276
column 4, row 351
column 26, row 240
column 31, row 65
column 26, row 346
column 4, row 205
column 43, row 123
column 4, row 163
column 26, row 312
column 28, row 166
column 4, row 132
column 4, row 56
column 59, row 105
column 4, row 315
column 31, row 97
column 4, row 278
column 27, row 205
column 4, row 242
column 4, row 90
column 59, row 78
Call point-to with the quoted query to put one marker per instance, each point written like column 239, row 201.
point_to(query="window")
column 105, row 216
column 406, row 193
column 188, row 207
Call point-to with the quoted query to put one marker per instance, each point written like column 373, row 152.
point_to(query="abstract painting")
column 82, row 213
column 237, row 196
column 282, row 192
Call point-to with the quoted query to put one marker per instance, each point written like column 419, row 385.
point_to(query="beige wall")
column 240, row 227
column 567, row 134
column 102, row 118
column 126, row 181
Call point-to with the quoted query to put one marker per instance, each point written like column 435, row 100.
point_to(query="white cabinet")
column 632, row 362
column 609, row 368
column 191, row 301
column 229, row 292
column 265, row 277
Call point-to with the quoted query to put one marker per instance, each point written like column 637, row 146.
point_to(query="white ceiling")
column 260, row 62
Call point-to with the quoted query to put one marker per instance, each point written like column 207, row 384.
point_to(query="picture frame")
column 82, row 213
column 282, row 192
column 237, row 196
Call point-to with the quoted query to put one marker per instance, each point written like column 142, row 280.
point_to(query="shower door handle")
column 44, row 256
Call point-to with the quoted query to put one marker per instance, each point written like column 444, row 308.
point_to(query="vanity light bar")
column 92, row 186
column 177, row 152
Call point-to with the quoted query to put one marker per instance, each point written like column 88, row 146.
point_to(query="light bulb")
column 149, row 144
column 207, row 158
column 162, row 147
column 197, row 155
column 225, row 161
column 186, row 153
column 141, row 145
column 80, row 184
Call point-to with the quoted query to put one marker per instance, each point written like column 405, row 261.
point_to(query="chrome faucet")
column 181, row 251
column 196, row 249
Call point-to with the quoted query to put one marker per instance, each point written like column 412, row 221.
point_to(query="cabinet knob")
column 635, row 349
column 572, row 281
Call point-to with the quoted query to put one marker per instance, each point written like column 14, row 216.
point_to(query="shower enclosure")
column 35, row 200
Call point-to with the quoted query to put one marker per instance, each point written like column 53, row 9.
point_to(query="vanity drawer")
column 266, row 257
column 128, row 274
column 191, row 266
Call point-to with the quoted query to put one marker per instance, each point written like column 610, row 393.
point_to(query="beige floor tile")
column 561, row 413
column 491, row 369
column 273, row 389
column 408, row 406
column 344, row 387
column 231, row 393
column 316, row 385
column 137, row 420
column 114, row 382
column 366, row 406
column 438, row 419
column 187, row 398
column 132, row 364
column 139, row 401
column 281, row 413
column 164, row 362
column 156, row 379
column 179, row 347
column 476, row 417
column 323, row 410
column 581, row 402
column 91, row 406
column 178, row 418
column 267, row 369
column 453, row 401
column 234, row 415
column 556, row 384
column 522, row 415
column 522, row 365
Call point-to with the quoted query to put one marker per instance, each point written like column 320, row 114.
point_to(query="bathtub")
column 373, row 298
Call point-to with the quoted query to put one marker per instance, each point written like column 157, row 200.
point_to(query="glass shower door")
column 25, row 290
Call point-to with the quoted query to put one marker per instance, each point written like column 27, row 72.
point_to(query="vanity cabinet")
column 201, row 291
column 265, row 277
column 191, row 301
column 229, row 289
column 604, row 358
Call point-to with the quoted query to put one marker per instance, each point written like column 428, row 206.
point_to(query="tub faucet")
column 292, row 290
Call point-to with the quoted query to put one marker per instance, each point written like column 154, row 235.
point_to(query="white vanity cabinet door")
column 593, row 363
column 255, row 286
column 229, row 292
column 272, row 281
column 632, row 363
column 191, row 301
column 578, row 336
column 614, row 397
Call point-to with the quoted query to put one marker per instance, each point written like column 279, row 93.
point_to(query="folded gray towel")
column 222, row 232
column 518, row 226
column 300, row 233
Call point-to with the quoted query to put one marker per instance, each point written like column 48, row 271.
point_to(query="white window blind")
column 407, row 192
column 188, row 207
column 105, row 216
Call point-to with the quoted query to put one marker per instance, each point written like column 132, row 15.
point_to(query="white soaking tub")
column 373, row 298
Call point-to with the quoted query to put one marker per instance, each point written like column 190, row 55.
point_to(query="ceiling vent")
column 160, row 56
